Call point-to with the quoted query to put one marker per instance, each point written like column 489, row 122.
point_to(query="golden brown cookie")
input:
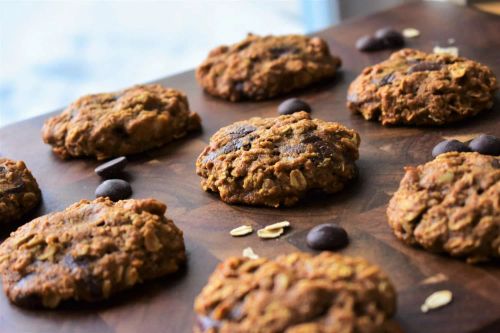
column 89, row 251
column 416, row 88
column 19, row 192
column 295, row 293
column 261, row 67
column 450, row 205
column 122, row 123
column 276, row 161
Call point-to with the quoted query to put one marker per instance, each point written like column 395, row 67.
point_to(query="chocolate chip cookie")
column 450, row 205
column 122, row 123
column 261, row 67
column 416, row 88
column 276, row 161
column 19, row 192
column 297, row 292
column 89, row 251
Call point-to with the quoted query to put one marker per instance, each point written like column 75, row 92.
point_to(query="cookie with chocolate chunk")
column 276, row 161
column 298, row 292
column 89, row 251
column 19, row 192
column 416, row 88
column 261, row 67
column 122, row 123
column 450, row 205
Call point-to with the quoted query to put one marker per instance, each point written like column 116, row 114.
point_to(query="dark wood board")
column 168, row 174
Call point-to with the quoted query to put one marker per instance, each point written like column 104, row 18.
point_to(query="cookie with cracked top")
column 19, row 191
column 450, row 205
column 123, row 123
column 261, row 67
column 276, row 161
column 417, row 88
column 89, row 251
column 298, row 292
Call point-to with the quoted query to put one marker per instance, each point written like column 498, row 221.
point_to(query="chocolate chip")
column 293, row 105
column 241, row 131
column 425, row 66
column 387, row 79
column 328, row 236
column 115, row 189
column 369, row 43
column 111, row 168
column 390, row 38
column 277, row 52
column 206, row 323
column 448, row 146
column 486, row 144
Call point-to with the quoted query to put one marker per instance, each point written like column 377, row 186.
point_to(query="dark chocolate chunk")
column 449, row 145
column 111, row 168
column 486, row 144
column 390, row 38
column 293, row 105
column 115, row 189
column 369, row 43
column 425, row 66
column 328, row 236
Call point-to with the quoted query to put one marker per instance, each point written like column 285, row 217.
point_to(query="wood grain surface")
column 168, row 174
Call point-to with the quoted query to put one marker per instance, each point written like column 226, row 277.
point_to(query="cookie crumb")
column 241, row 231
column 446, row 50
column 451, row 41
column 411, row 33
column 248, row 253
column 437, row 300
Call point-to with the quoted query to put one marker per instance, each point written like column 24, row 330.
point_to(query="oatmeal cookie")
column 416, row 88
column 263, row 67
column 89, row 251
column 19, row 192
column 275, row 161
column 295, row 293
column 122, row 123
column 450, row 205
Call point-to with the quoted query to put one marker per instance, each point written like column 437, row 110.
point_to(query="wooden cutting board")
column 168, row 174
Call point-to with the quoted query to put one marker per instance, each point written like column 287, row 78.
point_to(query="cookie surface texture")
column 276, row 161
column 122, row 123
column 89, row 251
column 450, row 205
column 416, row 88
column 261, row 67
column 295, row 293
column 19, row 191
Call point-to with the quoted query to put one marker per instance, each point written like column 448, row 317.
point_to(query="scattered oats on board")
column 446, row 50
column 436, row 300
column 275, row 233
column 411, row 33
column 248, row 253
column 278, row 225
column 273, row 230
column 241, row 231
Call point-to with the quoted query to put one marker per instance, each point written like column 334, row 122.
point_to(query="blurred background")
column 52, row 52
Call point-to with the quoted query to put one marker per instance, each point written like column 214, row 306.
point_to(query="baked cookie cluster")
column 276, row 161
column 89, row 251
column 450, row 205
column 261, row 67
column 19, row 192
column 297, row 292
column 122, row 123
column 417, row 88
